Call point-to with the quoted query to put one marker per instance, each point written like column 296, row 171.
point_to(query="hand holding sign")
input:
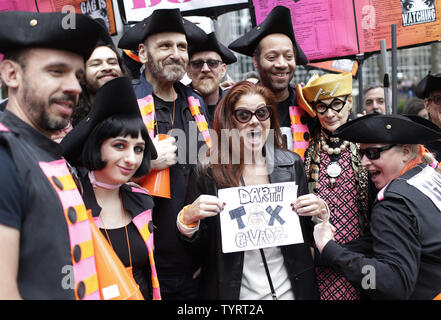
column 259, row 216
column 203, row 207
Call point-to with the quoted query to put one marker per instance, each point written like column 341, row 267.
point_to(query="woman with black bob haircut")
column 109, row 147
column 114, row 126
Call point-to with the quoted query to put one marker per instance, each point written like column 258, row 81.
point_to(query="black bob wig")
column 113, row 127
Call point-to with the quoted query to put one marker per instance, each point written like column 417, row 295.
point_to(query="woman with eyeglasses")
column 404, row 260
column 247, row 112
column 334, row 172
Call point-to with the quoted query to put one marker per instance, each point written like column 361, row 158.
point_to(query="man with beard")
column 276, row 53
column 43, row 220
column 207, row 67
column 169, row 107
column 103, row 65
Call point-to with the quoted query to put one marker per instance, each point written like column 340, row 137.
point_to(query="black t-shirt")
column 170, row 253
column 285, row 121
column 138, row 252
column 283, row 111
column 12, row 192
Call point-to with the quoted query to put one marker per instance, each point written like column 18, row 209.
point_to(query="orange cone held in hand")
column 157, row 182
column 114, row 280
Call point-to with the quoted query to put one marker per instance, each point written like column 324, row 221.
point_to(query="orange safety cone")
column 438, row 297
column 157, row 182
column 114, row 280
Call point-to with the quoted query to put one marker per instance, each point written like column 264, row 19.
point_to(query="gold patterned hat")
column 321, row 88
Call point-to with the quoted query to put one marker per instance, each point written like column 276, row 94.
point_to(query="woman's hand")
column 323, row 233
column 311, row 205
column 204, row 206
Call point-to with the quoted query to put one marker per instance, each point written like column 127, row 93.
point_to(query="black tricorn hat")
column 115, row 97
column 22, row 29
column 105, row 38
column 161, row 20
column 380, row 128
column 212, row 44
column 428, row 84
column 277, row 21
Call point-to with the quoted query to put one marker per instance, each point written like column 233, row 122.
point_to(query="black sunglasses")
column 375, row 153
column 245, row 115
column 211, row 63
column 336, row 104
column 435, row 99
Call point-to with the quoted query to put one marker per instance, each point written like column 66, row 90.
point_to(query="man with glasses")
column 207, row 66
column 429, row 89
column 276, row 53
column 169, row 107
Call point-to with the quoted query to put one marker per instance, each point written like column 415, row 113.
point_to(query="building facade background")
column 412, row 63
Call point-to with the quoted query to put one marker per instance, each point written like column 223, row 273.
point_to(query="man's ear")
column 11, row 73
column 188, row 70
column 223, row 70
column 142, row 53
column 255, row 62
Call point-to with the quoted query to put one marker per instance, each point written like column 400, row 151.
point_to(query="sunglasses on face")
column 375, row 153
column 336, row 104
column 435, row 99
column 211, row 63
column 245, row 115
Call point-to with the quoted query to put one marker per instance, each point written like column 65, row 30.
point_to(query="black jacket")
column 405, row 261
column 221, row 273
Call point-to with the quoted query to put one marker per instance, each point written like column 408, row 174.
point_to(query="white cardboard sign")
column 259, row 216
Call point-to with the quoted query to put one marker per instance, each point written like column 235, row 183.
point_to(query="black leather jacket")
column 221, row 273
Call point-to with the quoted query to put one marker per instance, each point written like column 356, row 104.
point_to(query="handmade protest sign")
column 259, row 216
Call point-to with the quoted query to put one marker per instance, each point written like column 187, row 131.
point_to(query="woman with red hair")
column 247, row 150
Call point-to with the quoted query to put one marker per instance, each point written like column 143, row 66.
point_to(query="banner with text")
column 137, row 10
column 259, row 216
column 328, row 29
column 93, row 8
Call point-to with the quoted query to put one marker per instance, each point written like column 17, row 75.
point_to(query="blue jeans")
column 179, row 287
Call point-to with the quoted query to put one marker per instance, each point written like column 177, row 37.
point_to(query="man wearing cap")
column 206, row 68
column 276, row 53
column 429, row 89
column 162, row 40
column 404, row 260
column 103, row 65
column 46, row 249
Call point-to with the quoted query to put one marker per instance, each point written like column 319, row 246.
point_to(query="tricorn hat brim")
column 48, row 30
column 278, row 21
column 428, row 84
column 115, row 97
column 379, row 128
column 212, row 44
column 161, row 20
